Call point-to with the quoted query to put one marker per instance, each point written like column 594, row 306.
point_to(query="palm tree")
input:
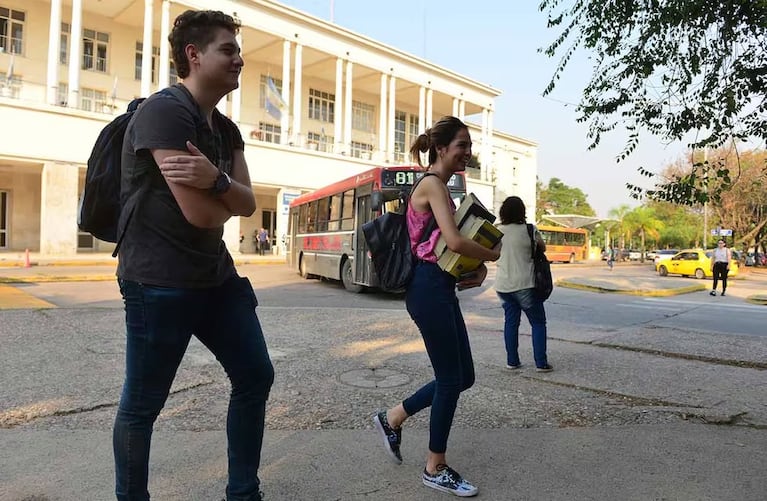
column 643, row 221
column 618, row 214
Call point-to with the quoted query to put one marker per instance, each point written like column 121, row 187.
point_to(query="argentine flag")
column 274, row 103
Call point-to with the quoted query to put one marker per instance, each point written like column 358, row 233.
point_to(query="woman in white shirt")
column 514, row 284
column 720, row 265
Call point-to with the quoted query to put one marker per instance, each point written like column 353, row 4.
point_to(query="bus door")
column 363, row 213
column 292, row 241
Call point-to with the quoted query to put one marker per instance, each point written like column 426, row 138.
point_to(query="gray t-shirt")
column 160, row 246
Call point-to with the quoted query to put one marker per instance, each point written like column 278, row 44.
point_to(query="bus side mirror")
column 376, row 200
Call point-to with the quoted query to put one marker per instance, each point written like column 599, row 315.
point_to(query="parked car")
column 635, row 255
column 662, row 254
column 693, row 263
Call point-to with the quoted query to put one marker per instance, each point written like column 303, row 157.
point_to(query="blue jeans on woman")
column 160, row 322
column 514, row 303
column 433, row 305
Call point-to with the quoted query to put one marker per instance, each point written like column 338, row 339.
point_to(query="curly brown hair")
column 196, row 27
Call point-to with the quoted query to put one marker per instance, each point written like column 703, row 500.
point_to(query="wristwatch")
column 222, row 183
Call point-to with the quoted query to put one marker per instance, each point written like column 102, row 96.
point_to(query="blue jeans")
column 160, row 322
column 433, row 305
column 514, row 303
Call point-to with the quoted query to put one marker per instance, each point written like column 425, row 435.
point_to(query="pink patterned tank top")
column 416, row 225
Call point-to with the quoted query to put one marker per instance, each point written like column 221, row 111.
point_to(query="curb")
column 633, row 292
column 760, row 299
column 39, row 279
column 113, row 262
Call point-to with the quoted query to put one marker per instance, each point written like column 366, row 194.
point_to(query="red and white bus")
column 566, row 245
column 325, row 236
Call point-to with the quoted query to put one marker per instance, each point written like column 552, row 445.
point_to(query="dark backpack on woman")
column 388, row 241
column 544, row 284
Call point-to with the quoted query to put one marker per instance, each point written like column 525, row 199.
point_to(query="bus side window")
column 302, row 216
column 311, row 218
column 323, row 212
column 347, row 211
column 334, row 221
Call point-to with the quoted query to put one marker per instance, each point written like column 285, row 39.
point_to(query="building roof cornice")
column 357, row 38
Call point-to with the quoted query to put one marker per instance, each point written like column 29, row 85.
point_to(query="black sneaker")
column 545, row 368
column 391, row 437
column 448, row 480
column 713, row 293
column 722, row 294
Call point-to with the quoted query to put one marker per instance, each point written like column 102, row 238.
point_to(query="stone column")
column 146, row 50
column 429, row 107
column 338, row 125
column 75, row 40
column 390, row 125
column 348, row 109
column 297, row 95
column 54, row 43
column 285, row 116
column 382, row 136
column 422, row 125
column 58, row 209
column 163, row 79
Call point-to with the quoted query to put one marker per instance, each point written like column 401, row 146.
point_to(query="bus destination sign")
column 402, row 178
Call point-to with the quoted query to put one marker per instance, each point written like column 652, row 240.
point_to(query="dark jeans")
column 433, row 305
column 720, row 273
column 160, row 322
column 514, row 303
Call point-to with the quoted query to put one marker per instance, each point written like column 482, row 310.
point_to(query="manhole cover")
column 374, row 378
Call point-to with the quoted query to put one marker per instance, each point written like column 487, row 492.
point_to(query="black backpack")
column 544, row 284
column 99, row 207
column 388, row 241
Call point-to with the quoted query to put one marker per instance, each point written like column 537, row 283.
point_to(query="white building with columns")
column 346, row 103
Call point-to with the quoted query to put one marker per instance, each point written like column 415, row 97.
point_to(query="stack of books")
column 475, row 222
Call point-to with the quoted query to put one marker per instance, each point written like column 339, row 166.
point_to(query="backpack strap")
column 183, row 95
column 432, row 222
column 533, row 243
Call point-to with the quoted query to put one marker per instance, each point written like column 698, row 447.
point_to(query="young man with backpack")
column 183, row 176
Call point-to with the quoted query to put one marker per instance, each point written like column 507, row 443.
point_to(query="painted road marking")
column 12, row 298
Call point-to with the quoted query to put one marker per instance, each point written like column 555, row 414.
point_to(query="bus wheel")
column 346, row 278
column 302, row 269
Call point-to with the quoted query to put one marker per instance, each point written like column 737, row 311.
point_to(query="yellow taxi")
column 691, row 262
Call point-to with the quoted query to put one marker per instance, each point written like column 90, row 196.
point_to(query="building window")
column 362, row 150
column 363, row 116
column 95, row 48
column 64, row 44
column 262, row 90
column 413, row 131
column 323, row 142
column 12, row 30
column 269, row 133
column 140, row 59
column 322, row 106
column 92, row 100
column 400, row 135
column 3, row 219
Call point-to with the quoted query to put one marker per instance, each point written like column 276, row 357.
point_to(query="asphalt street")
column 644, row 403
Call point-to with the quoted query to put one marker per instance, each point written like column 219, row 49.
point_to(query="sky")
column 496, row 42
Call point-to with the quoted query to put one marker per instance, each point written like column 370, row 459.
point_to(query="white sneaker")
column 448, row 480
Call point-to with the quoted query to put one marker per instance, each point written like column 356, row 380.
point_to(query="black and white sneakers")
column 448, row 480
column 392, row 438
